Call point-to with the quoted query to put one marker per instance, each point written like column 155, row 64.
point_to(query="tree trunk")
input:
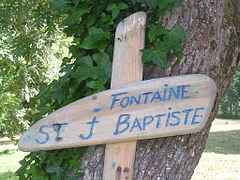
column 212, row 48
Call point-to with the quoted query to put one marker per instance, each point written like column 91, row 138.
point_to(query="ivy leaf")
column 177, row 32
column 174, row 37
column 164, row 46
column 116, row 8
column 105, row 18
column 91, row 21
column 75, row 17
column 122, row 6
column 91, row 43
column 165, row 5
column 88, row 43
column 97, row 85
column 155, row 32
column 45, row 109
column 97, row 72
column 84, row 72
column 96, row 39
column 98, row 34
column 87, row 60
column 157, row 57
column 151, row 3
column 101, row 46
column 115, row 11
column 103, row 61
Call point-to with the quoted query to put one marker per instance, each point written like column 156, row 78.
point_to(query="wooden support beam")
column 127, row 68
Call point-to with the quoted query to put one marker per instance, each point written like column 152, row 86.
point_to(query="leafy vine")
column 92, row 25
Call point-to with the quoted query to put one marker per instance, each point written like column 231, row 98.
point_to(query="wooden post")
column 127, row 68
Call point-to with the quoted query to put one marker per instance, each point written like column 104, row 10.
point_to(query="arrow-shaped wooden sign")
column 143, row 110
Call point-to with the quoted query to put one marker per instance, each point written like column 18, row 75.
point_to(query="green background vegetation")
column 31, row 49
column 230, row 106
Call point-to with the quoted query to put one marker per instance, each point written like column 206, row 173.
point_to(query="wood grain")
column 127, row 68
column 69, row 126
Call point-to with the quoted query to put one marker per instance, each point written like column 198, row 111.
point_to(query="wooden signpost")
column 143, row 110
column 130, row 111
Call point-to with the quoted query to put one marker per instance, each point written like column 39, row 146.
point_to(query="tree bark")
column 212, row 47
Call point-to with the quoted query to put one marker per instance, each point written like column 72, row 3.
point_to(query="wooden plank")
column 142, row 110
column 127, row 68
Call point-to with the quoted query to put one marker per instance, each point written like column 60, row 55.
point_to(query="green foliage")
column 9, row 158
column 92, row 25
column 230, row 106
column 31, row 48
column 164, row 43
column 157, row 57
column 116, row 8
column 97, row 39
column 54, row 164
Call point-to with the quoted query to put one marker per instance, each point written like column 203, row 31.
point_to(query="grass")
column 9, row 159
column 220, row 160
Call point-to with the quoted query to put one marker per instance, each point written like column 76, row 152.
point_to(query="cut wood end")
column 132, row 21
